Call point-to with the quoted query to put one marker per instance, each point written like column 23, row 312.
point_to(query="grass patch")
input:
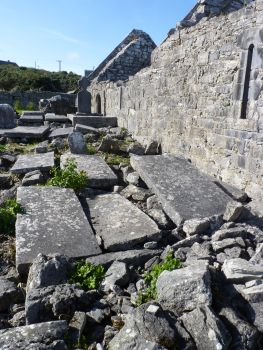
column 91, row 149
column 150, row 293
column 8, row 214
column 114, row 159
column 68, row 177
column 14, row 148
column 88, row 276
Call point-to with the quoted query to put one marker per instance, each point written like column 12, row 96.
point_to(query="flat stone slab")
column 60, row 132
column 86, row 129
column 35, row 336
column 56, row 118
column 99, row 173
column 34, row 161
column 31, row 118
column 29, row 132
column 53, row 222
column 24, row 113
column 119, row 223
column 185, row 192
column 94, row 121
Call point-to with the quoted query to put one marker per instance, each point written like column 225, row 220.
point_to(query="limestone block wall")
column 193, row 96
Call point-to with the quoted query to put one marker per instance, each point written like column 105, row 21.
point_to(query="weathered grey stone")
column 117, row 274
column 31, row 119
column 42, row 147
column 77, row 144
column 53, row 218
column 39, row 113
column 232, row 232
column 29, row 162
column 257, row 258
column 148, row 328
column 119, row 223
column 136, row 148
column 109, row 145
column 9, row 294
column 244, row 335
column 56, row 118
column 94, row 121
column 5, row 181
column 47, row 271
column 76, row 326
column 207, row 330
column 159, row 216
column 228, row 243
column 134, row 257
column 136, row 193
column 44, row 336
column 233, row 211
column 99, row 311
column 60, row 132
column 133, row 178
column 152, row 148
column 184, row 289
column 196, row 226
column 153, row 203
column 32, row 178
column 99, row 173
column 50, row 303
column 86, row 129
column 185, row 193
column 187, row 242
column 28, row 132
column 7, row 117
column 19, row 319
column 241, row 270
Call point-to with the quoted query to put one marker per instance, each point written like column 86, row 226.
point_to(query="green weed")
column 8, row 214
column 68, row 177
column 150, row 293
column 87, row 276
column 91, row 149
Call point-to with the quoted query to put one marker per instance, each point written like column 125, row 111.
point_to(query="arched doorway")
column 98, row 104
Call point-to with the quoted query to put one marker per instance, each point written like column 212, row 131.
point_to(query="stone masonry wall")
column 27, row 97
column 190, row 98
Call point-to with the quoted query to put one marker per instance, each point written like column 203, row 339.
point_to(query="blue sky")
column 81, row 33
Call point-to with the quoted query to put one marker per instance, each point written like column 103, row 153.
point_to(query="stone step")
column 56, row 118
column 99, row 173
column 60, row 132
column 28, row 132
column 119, row 223
column 52, row 221
column 30, row 162
column 94, row 121
column 31, row 119
column 185, row 192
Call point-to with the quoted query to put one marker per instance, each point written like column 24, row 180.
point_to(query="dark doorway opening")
column 98, row 104
column 243, row 114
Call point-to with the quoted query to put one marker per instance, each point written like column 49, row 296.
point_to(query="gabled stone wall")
column 190, row 98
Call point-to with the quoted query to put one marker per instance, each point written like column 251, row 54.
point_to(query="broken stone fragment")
column 240, row 270
column 76, row 326
column 9, row 294
column 207, row 330
column 233, row 211
column 196, row 226
column 184, row 289
column 118, row 274
column 33, row 178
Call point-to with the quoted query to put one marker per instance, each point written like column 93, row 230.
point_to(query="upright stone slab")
column 185, row 192
column 53, row 221
column 119, row 223
column 99, row 173
column 28, row 132
column 77, row 144
column 7, row 117
column 35, row 161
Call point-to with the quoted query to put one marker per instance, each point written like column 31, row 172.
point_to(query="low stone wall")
column 190, row 98
column 26, row 97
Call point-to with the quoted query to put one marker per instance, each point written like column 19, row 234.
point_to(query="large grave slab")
column 185, row 192
column 94, row 121
column 31, row 119
column 60, row 132
column 53, row 222
column 99, row 173
column 28, row 132
column 34, row 161
column 119, row 223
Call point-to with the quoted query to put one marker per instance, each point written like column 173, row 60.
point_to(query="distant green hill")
column 14, row 78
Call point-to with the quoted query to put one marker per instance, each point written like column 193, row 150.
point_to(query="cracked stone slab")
column 46, row 335
column 60, row 132
column 185, row 192
column 30, row 162
column 52, row 117
column 119, row 223
column 94, row 121
column 31, row 118
column 99, row 173
column 53, row 221
column 29, row 132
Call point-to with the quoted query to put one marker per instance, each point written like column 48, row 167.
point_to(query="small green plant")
column 114, row 159
column 8, row 214
column 17, row 106
column 91, row 149
column 31, row 106
column 68, row 177
column 150, row 293
column 86, row 275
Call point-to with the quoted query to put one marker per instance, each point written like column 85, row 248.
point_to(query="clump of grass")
column 114, row 159
column 8, row 214
column 88, row 276
column 68, row 177
column 150, row 278
column 15, row 148
column 91, row 149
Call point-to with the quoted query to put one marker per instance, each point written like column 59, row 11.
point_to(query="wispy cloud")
column 64, row 37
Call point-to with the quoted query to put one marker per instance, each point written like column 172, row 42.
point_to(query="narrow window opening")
column 247, row 82
column 98, row 104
